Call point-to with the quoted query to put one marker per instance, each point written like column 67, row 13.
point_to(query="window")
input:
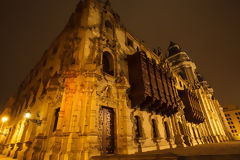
column 56, row 119
column 229, row 123
column 238, row 118
column 236, row 114
column 167, row 130
column 154, row 126
column 129, row 42
column 230, row 118
column 137, row 127
column 107, row 62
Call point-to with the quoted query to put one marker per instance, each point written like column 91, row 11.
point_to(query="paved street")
column 223, row 151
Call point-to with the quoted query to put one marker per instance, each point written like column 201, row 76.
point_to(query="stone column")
column 147, row 143
column 125, row 138
column 20, row 144
column 163, row 144
column 194, row 141
column 20, row 137
column 207, row 111
column 203, row 134
column 178, row 135
column 200, row 134
column 8, row 141
column 196, row 134
column 171, row 132
column 187, row 133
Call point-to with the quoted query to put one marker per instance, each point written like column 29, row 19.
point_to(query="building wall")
column 67, row 90
column 233, row 119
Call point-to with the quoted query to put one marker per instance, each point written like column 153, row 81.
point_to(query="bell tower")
column 180, row 62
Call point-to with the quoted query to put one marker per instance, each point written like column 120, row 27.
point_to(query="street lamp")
column 4, row 119
column 28, row 118
column 27, row 115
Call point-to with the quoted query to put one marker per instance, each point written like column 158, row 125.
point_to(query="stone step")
column 211, row 157
column 137, row 157
column 167, row 157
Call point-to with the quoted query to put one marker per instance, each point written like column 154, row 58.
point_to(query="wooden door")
column 106, row 130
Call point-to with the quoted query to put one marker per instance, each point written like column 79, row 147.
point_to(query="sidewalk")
column 2, row 157
column 227, row 148
column 220, row 151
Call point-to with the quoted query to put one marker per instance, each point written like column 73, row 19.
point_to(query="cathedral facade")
column 98, row 90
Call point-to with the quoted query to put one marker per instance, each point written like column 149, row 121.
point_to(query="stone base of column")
column 126, row 146
column 194, row 142
column 226, row 138
column 6, row 149
column 179, row 141
column 78, row 147
column 187, row 140
column 220, row 138
column 23, row 154
column 163, row 144
column 172, row 143
column 13, row 152
column 215, row 139
column 2, row 147
column 205, row 140
column 148, row 145
column 199, row 141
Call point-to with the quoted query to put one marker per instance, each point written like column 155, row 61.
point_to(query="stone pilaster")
column 178, row 136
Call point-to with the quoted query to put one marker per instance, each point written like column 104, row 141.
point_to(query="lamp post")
column 28, row 118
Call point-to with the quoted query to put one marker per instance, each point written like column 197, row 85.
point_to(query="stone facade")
column 81, row 98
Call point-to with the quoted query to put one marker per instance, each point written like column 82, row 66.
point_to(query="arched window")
column 137, row 127
column 167, row 130
column 107, row 62
column 154, row 126
column 56, row 119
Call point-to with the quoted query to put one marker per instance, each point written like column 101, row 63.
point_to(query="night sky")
column 208, row 30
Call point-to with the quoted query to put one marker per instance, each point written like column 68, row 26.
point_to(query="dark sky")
column 208, row 30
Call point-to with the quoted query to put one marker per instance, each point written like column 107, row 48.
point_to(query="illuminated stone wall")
column 79, row 97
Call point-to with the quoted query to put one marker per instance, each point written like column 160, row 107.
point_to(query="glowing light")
column 4, row 119
column 28, row 115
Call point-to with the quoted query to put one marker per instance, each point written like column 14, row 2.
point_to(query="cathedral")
column 97, row 90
